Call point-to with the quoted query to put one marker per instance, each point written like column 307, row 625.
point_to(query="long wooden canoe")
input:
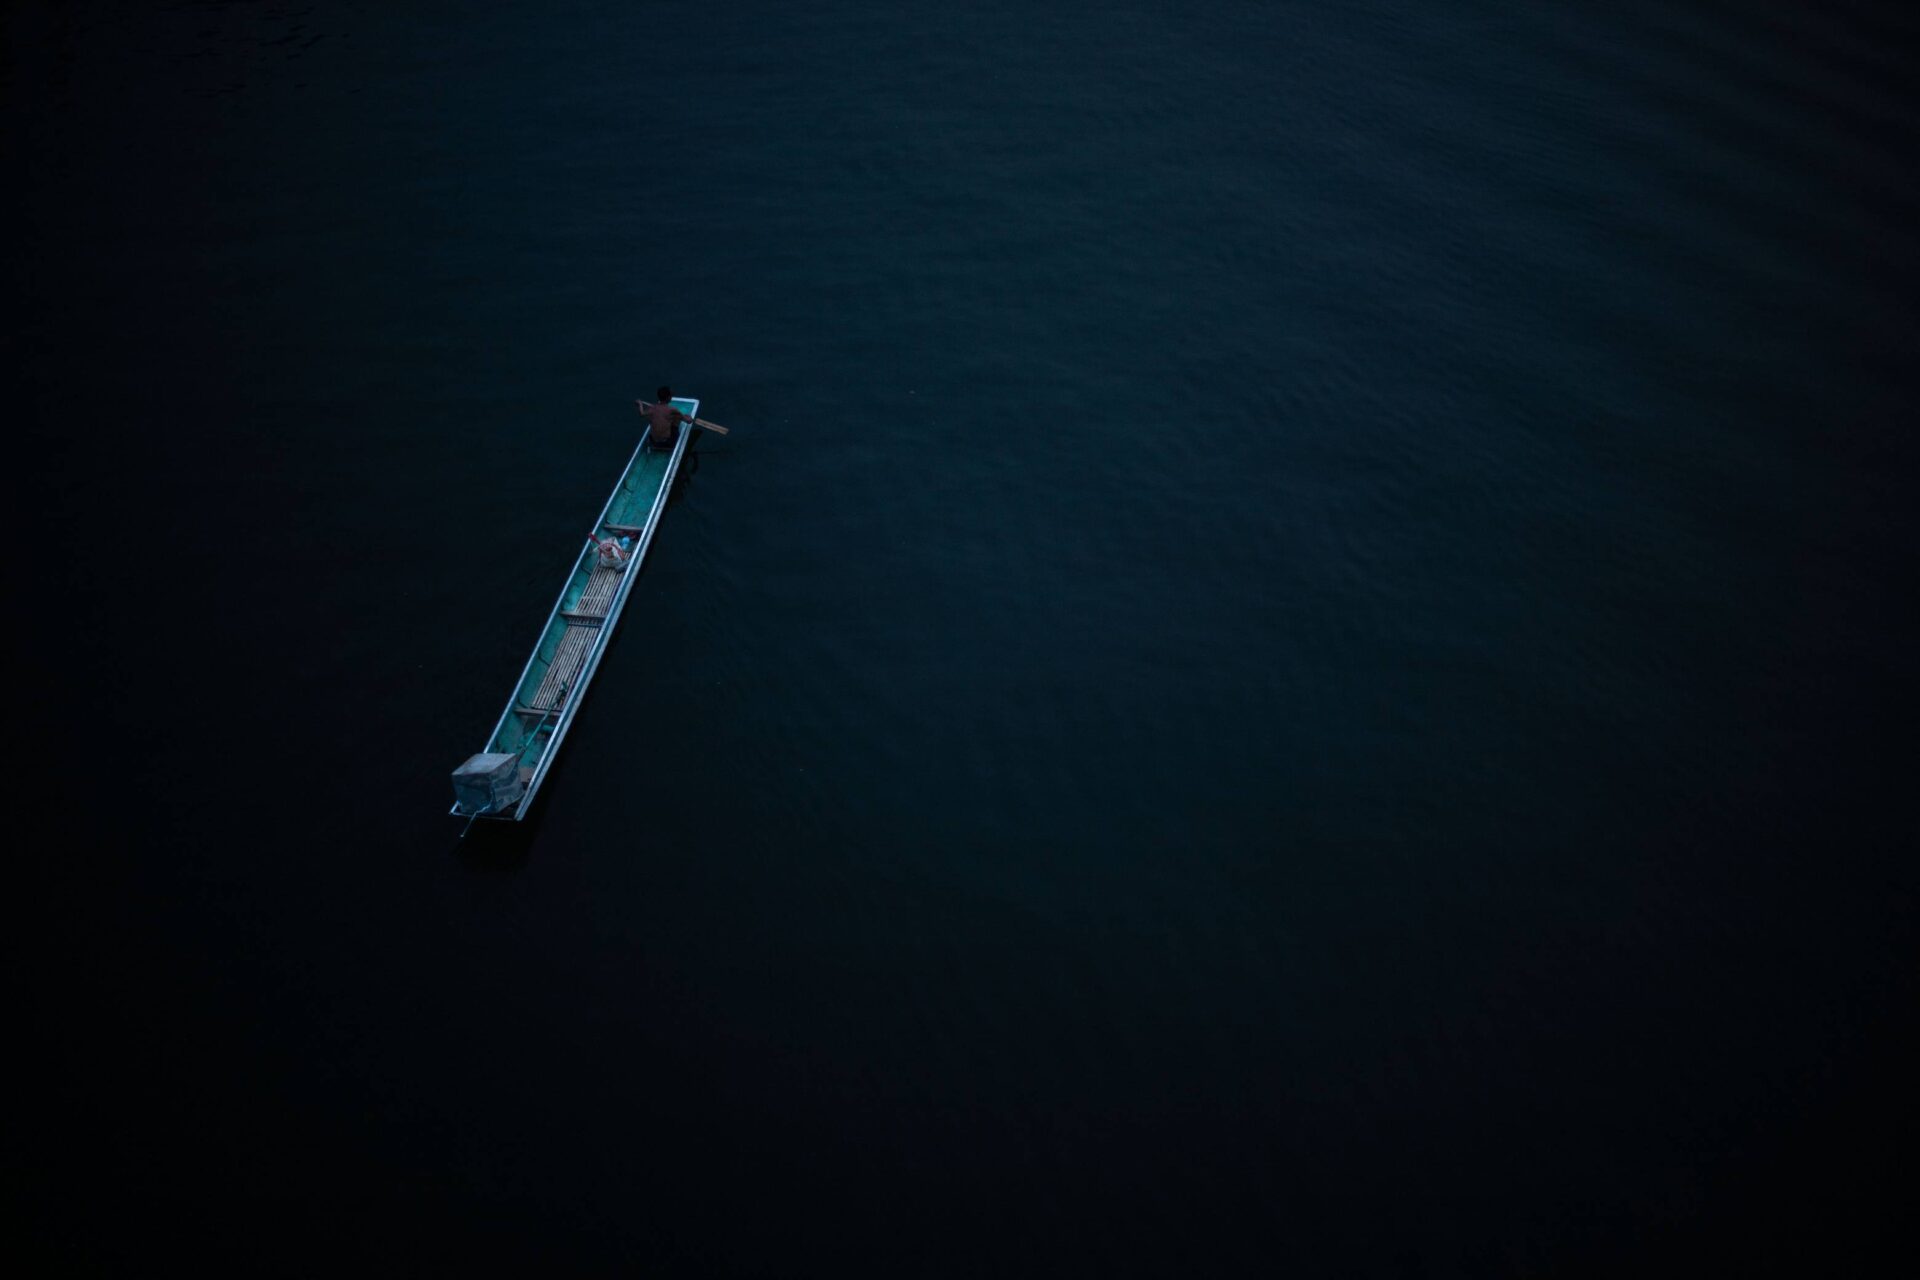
column 548, row 694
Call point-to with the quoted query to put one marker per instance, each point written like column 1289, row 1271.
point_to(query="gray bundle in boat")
column 487, row 782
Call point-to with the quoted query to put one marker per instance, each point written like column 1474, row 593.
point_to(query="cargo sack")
column 612, row 554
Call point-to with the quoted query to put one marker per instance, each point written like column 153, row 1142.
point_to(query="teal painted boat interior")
column 639, row 489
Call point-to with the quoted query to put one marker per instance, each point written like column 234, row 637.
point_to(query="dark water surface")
column 1294, row 664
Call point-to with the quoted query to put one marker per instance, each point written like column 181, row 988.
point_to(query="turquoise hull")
column 578, row 630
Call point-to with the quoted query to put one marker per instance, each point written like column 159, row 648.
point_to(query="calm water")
column 1293, row 666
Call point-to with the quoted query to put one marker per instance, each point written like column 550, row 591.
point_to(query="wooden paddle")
column 698, row 422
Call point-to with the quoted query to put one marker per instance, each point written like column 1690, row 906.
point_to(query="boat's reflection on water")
column 689, row 464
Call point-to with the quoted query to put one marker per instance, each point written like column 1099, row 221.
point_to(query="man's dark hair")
column 663, row 395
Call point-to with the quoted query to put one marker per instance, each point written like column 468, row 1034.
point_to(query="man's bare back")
column 663, row 419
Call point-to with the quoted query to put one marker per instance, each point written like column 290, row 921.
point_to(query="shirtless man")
column 664, row 420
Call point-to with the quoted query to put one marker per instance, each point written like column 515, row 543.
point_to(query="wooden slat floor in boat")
column 568, row 657
column 598, row 596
